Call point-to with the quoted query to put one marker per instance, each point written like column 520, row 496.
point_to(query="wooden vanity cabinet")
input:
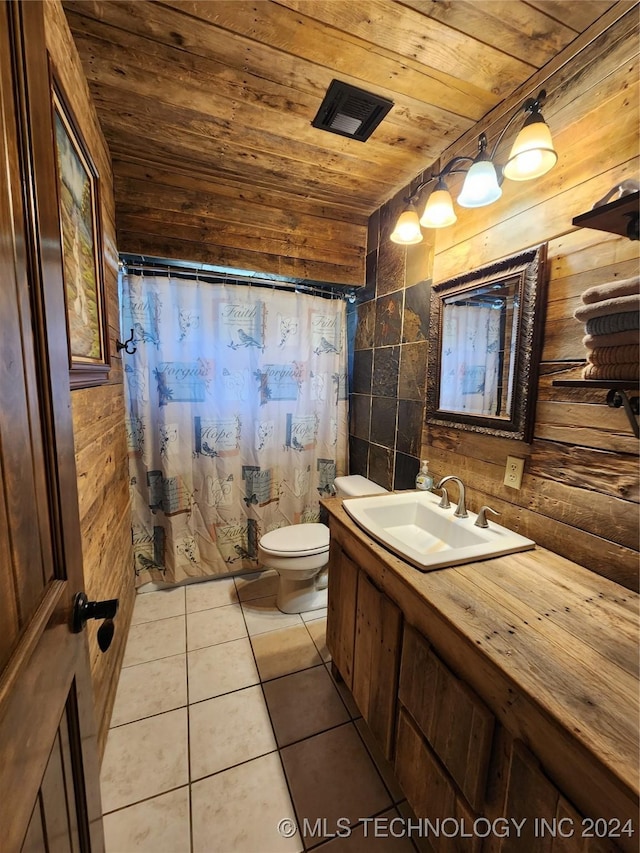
column 454, row 756
column 449, row 744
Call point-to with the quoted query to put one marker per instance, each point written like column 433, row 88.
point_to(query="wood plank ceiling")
column 207, row 110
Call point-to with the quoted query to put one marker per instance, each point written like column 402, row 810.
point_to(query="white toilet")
column 300, row 553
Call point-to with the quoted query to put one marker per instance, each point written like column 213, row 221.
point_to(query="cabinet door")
column 341, row 612
column 431, row 793
column 452, row 718
column 551, row 824
column 377, row 661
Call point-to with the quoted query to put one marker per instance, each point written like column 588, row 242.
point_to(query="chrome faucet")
column 461, row 510
column 444, row 500
column 481, row 520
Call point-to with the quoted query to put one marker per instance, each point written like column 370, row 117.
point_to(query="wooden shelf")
column 618, row 217
column 615, row 384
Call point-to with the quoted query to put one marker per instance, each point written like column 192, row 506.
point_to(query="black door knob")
column 105, row 634
column 83, row 609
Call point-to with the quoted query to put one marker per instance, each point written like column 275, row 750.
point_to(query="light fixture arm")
column 531, row 105
column 448, row 169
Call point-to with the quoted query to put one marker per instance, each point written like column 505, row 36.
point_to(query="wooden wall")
column 579, row 494
column 98, row 413
column 212, row 221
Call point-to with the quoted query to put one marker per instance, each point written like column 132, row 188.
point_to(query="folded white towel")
column 616, row 305
column 615, row 339
column 611, row 289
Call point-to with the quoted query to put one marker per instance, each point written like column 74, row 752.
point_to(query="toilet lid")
column 303, row 539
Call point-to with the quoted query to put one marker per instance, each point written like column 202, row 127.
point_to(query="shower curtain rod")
column 211, row 276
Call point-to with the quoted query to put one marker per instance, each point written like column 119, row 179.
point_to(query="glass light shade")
column 439, row 210
column 480, row 185
column 532, row 154
column 407, row 230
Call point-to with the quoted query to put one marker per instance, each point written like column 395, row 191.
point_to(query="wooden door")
column 49, row 793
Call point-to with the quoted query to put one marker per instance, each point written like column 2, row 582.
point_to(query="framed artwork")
column 78, row 200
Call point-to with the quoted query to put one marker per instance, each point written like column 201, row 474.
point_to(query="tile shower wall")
column 388, row 341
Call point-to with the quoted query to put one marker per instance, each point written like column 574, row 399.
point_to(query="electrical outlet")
column 513, row 472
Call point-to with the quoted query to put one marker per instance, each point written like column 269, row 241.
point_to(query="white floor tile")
column 238, row 811
column 150, row 688
column 215, row 670
column 284, row 651
column 385, row 768
column 228, row 730
column 159, row 825
column 213, row 593
column 153, row 640
column 144, row 758
column 208, row 627
column 262, row 615
column 163, row 604
column 257, row 584
column 318, row 630
column 313, row 615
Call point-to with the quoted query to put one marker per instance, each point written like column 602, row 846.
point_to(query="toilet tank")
column 354, row 485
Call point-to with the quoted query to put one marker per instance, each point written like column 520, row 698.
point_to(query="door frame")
column 48, row 671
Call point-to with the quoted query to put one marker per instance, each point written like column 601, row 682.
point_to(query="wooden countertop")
column 562, row 635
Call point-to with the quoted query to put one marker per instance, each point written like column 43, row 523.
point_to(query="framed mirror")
column 485, row 340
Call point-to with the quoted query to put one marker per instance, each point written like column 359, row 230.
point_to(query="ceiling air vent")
column 350, row 111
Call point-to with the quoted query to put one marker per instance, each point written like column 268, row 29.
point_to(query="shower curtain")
column 237, row 419
column 470, row 359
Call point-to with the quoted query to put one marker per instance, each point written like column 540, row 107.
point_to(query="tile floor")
column 227, row 721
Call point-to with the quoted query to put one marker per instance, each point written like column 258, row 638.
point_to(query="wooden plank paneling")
column 377, row 661
column 434, row 696
column 280, row 92
column 580, row 488
column 427, row 43
column 430, row 792
column 341, row 616
column 518, row 29
column 227, row 91
column 130, row 173
column 358, row 58
column 166, row 247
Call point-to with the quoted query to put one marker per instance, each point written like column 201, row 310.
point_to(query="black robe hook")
column 125, row 345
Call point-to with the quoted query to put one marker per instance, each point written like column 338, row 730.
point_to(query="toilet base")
column 299, row 596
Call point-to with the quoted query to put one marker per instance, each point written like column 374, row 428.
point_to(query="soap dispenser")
column 424, row 480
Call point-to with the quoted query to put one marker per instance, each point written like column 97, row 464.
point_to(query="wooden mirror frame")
column 530, row 269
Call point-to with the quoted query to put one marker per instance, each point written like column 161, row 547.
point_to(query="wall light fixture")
column 532, row 155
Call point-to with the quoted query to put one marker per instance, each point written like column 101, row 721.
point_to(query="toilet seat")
column 296, row 540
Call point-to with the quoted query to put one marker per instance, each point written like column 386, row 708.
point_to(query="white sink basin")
column 412, row 525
